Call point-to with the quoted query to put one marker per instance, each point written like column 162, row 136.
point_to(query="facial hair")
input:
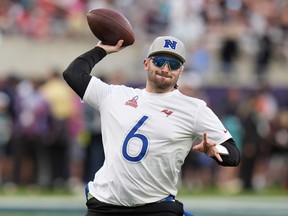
column 161, row 80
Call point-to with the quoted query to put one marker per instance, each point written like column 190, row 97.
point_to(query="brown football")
column 110, row 26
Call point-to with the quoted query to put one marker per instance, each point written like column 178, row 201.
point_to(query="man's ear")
column 182, row 70
column 145, row 63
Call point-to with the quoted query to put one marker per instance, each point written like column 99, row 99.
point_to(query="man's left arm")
column 229, row 153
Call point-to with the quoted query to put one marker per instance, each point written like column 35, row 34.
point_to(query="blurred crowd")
column 231, row 29
column 48, row 138
column 257, row 118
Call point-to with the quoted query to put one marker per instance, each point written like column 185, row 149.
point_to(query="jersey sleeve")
column 96, row 92
column 208, row 122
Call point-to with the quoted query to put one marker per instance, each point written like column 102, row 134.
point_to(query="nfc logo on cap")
column 171, row 44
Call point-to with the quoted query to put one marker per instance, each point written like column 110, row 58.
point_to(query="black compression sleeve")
column 233, row 158
column 77, row 74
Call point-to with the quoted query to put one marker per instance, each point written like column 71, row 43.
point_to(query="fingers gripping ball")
column 110, row 26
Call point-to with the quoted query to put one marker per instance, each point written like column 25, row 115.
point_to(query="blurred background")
column 237, row 53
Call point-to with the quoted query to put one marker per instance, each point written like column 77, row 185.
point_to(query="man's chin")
column 163, row 85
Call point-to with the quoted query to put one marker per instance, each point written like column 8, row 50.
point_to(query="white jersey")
column 146, row 138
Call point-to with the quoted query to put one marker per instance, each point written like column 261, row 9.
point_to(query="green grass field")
column 202, row 206
column 200, row 203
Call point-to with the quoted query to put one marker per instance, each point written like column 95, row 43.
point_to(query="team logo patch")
column 170, row 44
column 132, row 102
column 167, row 112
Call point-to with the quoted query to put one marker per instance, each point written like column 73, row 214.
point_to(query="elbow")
column 236, row 157
column 65, row 75
column 233, row 159
column 231, row 162
column 237, row 161
column 234, row 162
column 69, row 78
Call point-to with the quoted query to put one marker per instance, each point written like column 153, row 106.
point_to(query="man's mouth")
column 163, row 75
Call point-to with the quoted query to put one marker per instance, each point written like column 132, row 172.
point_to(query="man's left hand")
column 208, row 148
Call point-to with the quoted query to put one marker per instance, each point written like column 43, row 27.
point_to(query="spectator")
column 277, row 174
column 251, row 142
column 61, row 99
column 33, row 118
column 6, row 126
column 263, row 55
column 229, row 51
column 94, row 153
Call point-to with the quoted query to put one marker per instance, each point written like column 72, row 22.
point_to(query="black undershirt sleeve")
column 233, row 158
column 77, row 75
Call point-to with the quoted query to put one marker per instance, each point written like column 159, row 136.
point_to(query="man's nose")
column 166, row 67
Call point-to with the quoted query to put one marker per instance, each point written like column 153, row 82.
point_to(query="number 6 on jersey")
column 133, row 135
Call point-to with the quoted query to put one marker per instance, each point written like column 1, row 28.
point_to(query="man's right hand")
column 110, row 48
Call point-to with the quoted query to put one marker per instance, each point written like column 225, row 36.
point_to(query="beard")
column 161, row 80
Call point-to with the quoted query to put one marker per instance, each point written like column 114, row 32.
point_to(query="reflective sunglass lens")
column 174, row 65
column 160, row 61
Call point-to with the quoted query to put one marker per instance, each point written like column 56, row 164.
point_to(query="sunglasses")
column 161, row 61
